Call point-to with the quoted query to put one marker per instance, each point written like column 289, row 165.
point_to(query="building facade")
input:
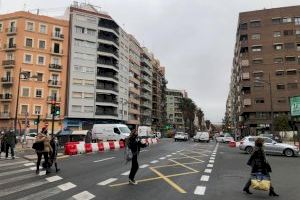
column 34, row 52
column 265, row 69
column 174, row 113
column 134, row 82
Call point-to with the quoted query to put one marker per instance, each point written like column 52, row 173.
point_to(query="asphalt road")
column 168, row 170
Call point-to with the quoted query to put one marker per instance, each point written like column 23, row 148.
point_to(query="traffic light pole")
column 37, row 124
column 52, row 131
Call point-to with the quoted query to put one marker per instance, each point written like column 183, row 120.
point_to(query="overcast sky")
column 193, row 39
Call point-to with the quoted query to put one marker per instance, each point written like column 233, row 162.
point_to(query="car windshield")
column 124, row 129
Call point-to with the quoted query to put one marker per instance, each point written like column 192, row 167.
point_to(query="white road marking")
column 14, row 172
column 174, row 153
column 53, row 178
column 212, row 158
column 169, row 155
column 162, row 158
column 16, row 178
column 144, row 150
column 210, row 165
column 108, row 181
column 200, row 190
column 85, row 195
column 13, row 163
column 144, row 166
column 208, row 171
column 66, row 186
column 204, row 178
column 29, row 164
column 34, row 168
column 104, row 159
column 154, row 161
column 211, row 161
column 42, row 173
column 126, row 173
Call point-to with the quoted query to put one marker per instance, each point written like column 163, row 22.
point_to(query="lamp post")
column 124, row 102
column 258, row 80
column 26, row 76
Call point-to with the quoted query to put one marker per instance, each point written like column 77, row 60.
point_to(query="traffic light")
column 57, row 110
column 37, row 121
column 53, row 106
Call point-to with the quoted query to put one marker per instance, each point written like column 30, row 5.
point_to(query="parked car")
column 180, row 136
column 277, row 138
column 106, row 132
column 271, row 146
column 201, row 136
column 224, row 138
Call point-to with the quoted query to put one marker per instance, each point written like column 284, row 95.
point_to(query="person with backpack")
column 134, row 144
column 259, row 164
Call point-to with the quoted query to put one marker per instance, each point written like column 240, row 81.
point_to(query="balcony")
column 108, row 76
column 4, row 115
column 102, row 35
column 10, row 47
column 146, row 78
column 145, row 69
column 146, row 61
column 146, row 112
column 108, row 62
column 103, row 100
column 7, row 80
column 247, row 102
column 145, row 96
column 111, row 113
column 55, row 67
column 51, row 98
column 57, row 52
column 105, row 49
column 146, row 104
column 54, row 83
column 49, row 116
column 5, row 97
column 106, row 87
column 57, row 36
column 109, row 24
column 11, row 30
column 8, row 63
column 146, row 87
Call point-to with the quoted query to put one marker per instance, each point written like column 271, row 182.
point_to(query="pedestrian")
column 2, row 143
column 134, row 144
column 10, row 141
column 53, row 155
column 259, row 164
column 44, row 150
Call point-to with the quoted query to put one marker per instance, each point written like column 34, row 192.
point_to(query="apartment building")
column 265, row 69
column 96, row 93
column 34, row 50
column 174, row 113
column 146, row 88
column 134, row 82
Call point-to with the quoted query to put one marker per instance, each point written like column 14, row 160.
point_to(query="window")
column 42, row 44
column 297, row 20
column 288, row 32
column 25, row 92
column 243, row 26
column 286, row 20
column 76, row 108
column 256, row 48
column 297, row 32
column 77, row 95
column 298, row 46
column 278, row 60
column 56, row 60
column 79, row 29
column 29, row 42
column 38, row 93
column 291, row 72
column 43, row 28
column 37, row 110
column 281, row 100
column 255, row 24
column 255, row 36
column 259, row 100
column 290, row 59
column 1, row 26
column 279, row 73
column 276, row 21
column 257, row 61
column 258, row 74
column 77, row 81
column 292, row 86
column 88, row 109
column 278, row 46
column 280, row 87
column 40, row 76
column 27, row 58
column 30, row 26
column 91, row 32
column 24, row 109
column 88, row 95
column 89, row 82
column 41, row 60
column 289, row 45
column 276, row 34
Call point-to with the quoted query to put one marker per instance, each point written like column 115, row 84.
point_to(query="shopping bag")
column 260, row 182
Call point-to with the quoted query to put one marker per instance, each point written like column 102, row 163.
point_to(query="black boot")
column 56, row 169
column 272, row 193
column 247, row 190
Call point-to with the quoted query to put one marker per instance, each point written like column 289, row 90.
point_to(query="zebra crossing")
column 19, row 181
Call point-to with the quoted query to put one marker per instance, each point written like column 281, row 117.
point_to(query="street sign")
column 295, row 106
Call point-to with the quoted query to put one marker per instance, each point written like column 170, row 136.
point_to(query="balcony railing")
column 55, row 67
column 10, row 46
column 108, row 50
column 57, row 35
column 108, row 24
column 146, row 96
column 101, row 100
column 146, row 104
column 108, row 76
column 105, row 62
column 146, row 78
column 111, row 113
column 57, row 52
column 4, row 114
column 104, row 87
column 51, row 98
column 147, row 87
column 6, row 96
column 145, row 69
column 8, row 62
column 54, row 83
column 49, row 116
column 7, row 80
column 112, row 39
column 11, row 30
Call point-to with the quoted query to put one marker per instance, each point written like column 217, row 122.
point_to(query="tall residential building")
column 266, row 67
column 94, row 77
column 37, row 47
column 134, row 82
column 146, row 88
column 174, row 113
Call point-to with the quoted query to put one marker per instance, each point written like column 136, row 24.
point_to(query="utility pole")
column 53, row 105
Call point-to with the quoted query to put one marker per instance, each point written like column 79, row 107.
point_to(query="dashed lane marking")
column 29, row 164
column 13, row 163
column 204, row 178
column 211, row 161
column 168, row 155
column 162, row 158
column 108, row 181
column 104, row 159
column 200, row 190
column 208, row 171
column 85, row 195
column 144, row 166
column 14, row 172
column 53, row 178
column 154, row 161
column 210, row 165
column 66, row 186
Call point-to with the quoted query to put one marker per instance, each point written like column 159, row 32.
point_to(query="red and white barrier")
column 73, row 148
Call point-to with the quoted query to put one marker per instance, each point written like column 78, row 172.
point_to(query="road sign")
column 295, row 106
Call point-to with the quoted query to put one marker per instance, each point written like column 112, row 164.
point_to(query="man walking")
column 10, row 142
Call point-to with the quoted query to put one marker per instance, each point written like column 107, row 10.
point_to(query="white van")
column 145, row 132
column 201, row 136
column 107, row 132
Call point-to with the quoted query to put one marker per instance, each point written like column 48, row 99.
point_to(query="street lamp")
column 26, row 76
column 258, row 80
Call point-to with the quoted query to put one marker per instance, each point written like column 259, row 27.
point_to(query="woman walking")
column 44, row 140
column 53, row 155
column 259, row 164
column 134, row 145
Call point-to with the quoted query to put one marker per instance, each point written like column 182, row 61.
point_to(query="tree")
column 200, row 115
column 281, row 123
column 207, row 123
column 188, row 109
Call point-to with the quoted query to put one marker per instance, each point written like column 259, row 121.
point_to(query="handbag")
column 128, row 154
column 260, row 182
column 38, row 146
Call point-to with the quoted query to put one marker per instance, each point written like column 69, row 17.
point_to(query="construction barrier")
column 232, row 144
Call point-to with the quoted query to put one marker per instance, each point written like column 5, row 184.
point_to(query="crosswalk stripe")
column 204, row 178
column 200, row 190
column 154, row 161
column 108, row 181
column 144, row 166
column 66, row 186
column 14, row 172
column 126, row 173
column 16, row 178
column 13, row 163
column 29, row 164
column 85, row 195
column 53, row 178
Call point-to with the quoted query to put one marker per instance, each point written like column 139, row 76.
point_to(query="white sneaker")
column 133, row 182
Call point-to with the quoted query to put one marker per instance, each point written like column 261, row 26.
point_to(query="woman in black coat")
column 134, row 144
column 259, row 164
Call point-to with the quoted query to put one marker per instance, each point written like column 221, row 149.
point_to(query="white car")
column 201, row 136
column 180, row 136
column 224, row 138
